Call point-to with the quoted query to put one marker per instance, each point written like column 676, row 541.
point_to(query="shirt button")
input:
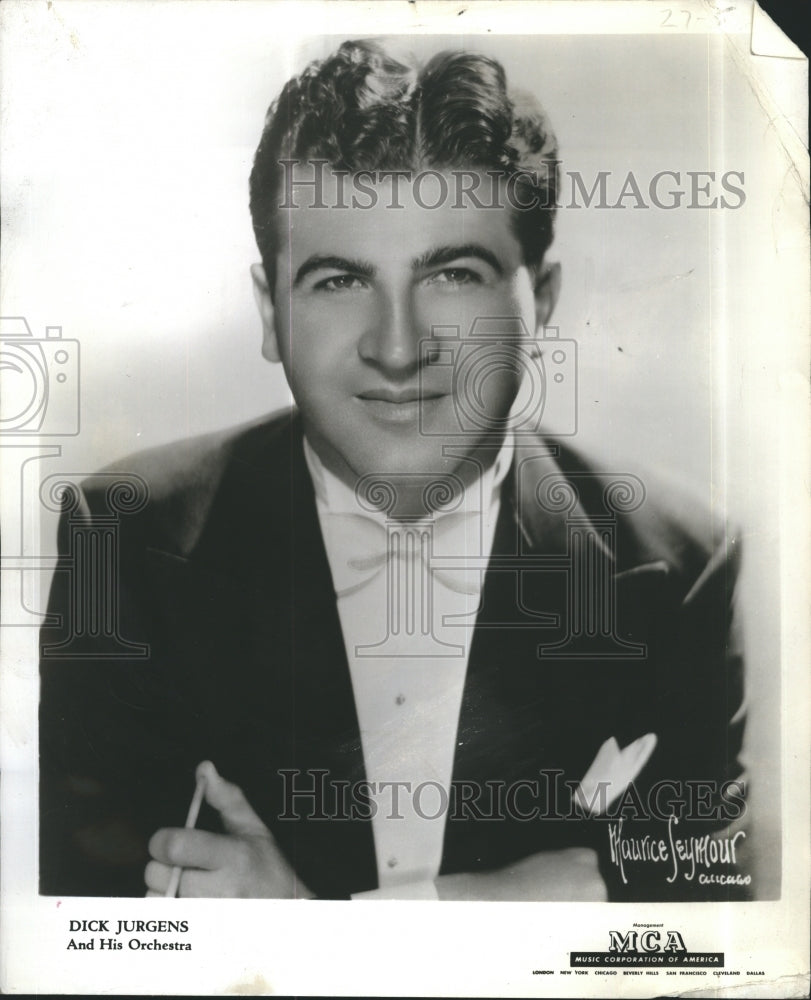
column 392, row 862
column 399, row 699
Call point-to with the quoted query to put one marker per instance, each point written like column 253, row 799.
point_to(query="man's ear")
column 264, row 303
column 547, row 289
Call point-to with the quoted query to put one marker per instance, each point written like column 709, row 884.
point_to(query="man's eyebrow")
column 319, row 261
column 448, row 254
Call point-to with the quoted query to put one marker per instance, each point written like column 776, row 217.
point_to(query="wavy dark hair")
column 362, row 109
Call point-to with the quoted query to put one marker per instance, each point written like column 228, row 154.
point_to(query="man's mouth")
column 399, row 405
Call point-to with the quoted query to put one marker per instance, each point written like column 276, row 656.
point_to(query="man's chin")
column 392, row 464
column 409, row 486
column 418, row 470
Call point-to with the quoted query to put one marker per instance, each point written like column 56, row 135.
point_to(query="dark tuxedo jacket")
column 224, row 577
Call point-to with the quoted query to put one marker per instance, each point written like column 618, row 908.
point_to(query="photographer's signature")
column 683, row 855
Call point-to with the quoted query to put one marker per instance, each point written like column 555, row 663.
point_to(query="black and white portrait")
column 391, row 415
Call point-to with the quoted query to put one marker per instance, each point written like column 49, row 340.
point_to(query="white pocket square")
column 613, row 770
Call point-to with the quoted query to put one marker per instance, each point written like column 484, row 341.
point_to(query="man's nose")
column 391, row 340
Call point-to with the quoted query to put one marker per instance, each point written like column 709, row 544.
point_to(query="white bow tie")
column 361, row 547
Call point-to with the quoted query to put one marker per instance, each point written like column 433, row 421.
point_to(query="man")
column 410, row 648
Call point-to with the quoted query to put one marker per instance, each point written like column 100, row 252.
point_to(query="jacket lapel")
column 532, row 705
column 274, row 669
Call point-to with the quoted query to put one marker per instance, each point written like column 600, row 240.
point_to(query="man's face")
column 357, row 295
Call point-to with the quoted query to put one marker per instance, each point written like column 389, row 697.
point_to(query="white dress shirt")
column 407, row 629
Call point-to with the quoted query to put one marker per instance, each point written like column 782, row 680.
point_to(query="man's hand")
column 571, row 875
column 244, row 862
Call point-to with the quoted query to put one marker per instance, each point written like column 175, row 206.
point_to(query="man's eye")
column 455, row 276
column 340, row 283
